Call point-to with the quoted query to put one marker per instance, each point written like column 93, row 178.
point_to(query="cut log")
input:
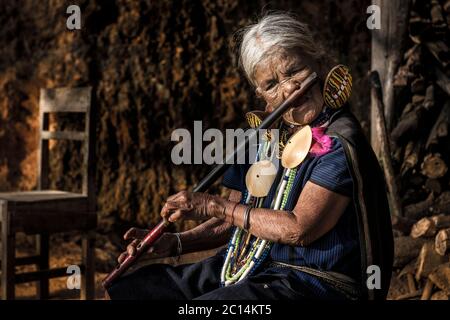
column 440, row 52
column 418, row 28
column 402, row 77
column 416, row 180
column 413, row 51
column 421, row 209
column 408, row 108
column 441, row 278
column 428, row 227
column 446, row 6
column 411, row 158
column 417, row 99
column 442, row 242
column 433, row 185
column 442, row 80
column 411, row 195
column 413, row 59
column 402, row 224
column 406, row 249
column 427, row 261
column 410, row 122
column 409, row 270
column 433, row 166
column 418, row 86
column 442, row 204
column 427, row 290
column 409, row 295
column 437, row 19
column 440, row 127
column 441, row 221
column 397, row 233
column 423, row 228
column 411, row 282
column 404, row 74
column 439, row 295
column 397, row 154
column 428, row 102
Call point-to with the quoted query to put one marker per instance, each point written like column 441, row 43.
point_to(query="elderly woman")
column 332, row 237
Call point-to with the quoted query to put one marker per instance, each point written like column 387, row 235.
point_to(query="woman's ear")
column 268, row 108
column 258, row 92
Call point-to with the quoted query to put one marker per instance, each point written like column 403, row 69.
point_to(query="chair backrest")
column 67, row 100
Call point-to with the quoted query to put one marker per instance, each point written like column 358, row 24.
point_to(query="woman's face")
column 281, row 74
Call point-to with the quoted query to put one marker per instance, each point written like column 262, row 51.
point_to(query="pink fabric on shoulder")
column 321, row 143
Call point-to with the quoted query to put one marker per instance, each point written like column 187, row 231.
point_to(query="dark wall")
column 155, row 66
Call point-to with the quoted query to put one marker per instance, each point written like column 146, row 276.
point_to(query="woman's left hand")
column 190, row 206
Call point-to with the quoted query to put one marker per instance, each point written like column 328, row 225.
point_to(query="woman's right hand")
column 165, row 246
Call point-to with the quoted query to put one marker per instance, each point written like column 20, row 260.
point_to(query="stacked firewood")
column 420, row 145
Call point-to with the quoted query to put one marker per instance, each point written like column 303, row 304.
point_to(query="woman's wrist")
column 216, row 206
column 222, row 209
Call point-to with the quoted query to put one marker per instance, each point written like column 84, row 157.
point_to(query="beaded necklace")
column 246, row 252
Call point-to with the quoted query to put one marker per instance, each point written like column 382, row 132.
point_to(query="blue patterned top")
column 337, row 250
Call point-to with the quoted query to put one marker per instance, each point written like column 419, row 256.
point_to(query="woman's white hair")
column 273, row 32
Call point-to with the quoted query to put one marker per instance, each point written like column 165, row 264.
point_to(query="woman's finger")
column 166, row 210
column 178, row 214
column 169, row 208
column 135, row 233
column 122, row 257
column 176, row 196
column 131, row 248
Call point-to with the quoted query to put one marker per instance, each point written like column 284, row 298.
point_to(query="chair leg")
column 8, row 255
column 42, row 249
column 88, row 260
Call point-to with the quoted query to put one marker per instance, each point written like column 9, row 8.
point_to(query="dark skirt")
column 201, row 281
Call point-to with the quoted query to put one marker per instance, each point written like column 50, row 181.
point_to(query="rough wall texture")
column 154, row 66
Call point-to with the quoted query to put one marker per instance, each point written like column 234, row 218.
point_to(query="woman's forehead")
column 277, row 62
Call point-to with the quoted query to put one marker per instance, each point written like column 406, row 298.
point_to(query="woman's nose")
column 289, row 87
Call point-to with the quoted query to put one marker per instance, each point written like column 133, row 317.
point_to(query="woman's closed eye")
column 296, row 71
column 270, row 85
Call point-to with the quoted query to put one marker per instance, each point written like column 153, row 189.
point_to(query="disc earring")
column 337, row 87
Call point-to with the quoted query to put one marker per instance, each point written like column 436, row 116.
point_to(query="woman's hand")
column 192, row 206
column 165, row 246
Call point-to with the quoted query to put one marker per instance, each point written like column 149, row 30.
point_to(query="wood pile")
column 420, row 147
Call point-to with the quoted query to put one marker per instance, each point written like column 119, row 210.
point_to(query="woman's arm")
column 316, row 212
column 210, row 234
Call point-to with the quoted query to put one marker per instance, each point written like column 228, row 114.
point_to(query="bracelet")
column 247, row 218
column 179, row 246
column 232, row 212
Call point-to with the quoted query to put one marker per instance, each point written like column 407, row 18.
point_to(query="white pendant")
column 297, row 148
column 260, row 177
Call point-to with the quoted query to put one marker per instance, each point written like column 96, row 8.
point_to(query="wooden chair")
column 44, row 211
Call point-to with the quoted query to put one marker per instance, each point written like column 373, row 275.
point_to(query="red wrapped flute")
column 142, row 247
